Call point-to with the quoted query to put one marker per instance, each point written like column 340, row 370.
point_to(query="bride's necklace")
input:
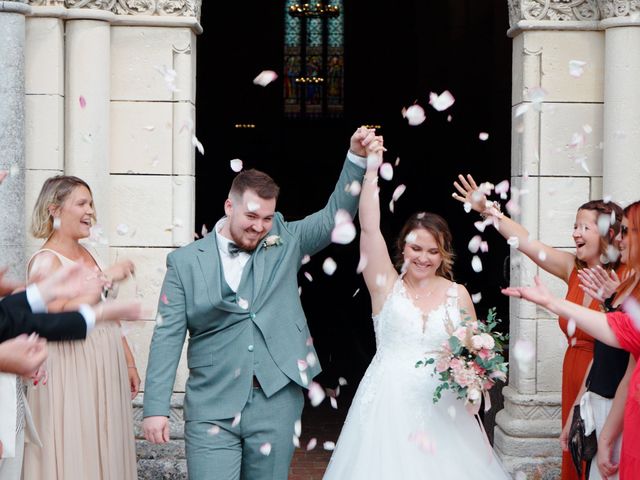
column 417, row 295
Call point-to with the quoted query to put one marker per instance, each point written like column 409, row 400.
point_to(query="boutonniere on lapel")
column 271, row 241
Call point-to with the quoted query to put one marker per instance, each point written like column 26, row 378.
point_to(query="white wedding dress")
column 393, row 430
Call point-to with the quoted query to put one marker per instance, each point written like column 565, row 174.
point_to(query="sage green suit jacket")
column 220, row 365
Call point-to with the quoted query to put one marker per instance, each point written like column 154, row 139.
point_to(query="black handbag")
column 582, row 448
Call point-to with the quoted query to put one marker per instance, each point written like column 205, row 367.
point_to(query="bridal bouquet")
column 471, row 361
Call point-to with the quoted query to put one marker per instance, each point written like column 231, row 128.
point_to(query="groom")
column 236, row 293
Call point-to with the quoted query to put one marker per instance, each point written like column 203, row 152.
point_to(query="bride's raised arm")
column 379, row 273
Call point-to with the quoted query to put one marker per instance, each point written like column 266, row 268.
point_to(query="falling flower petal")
column 243, row 303
column 304, row 378
column 236, row 419
column 306, row 259
column 265, row 449
column 604, row 223
column 354, row 188
column 312, row 444
column 296, row 441
column 344, row 231
column 253, row 206
column 381, row 280
column 316, row 394
column 386, row 171
column 484, row 136
column 297, row 428
column 422, row 440
column 333, row 402
column 521, row 109
column 571, row 327
column 169, row 75
column 476, row 264
column 164, row 299
column 576, row 68
column 467, row 207
column 204, row 231
column 355, row 293
column 362, row 264
column 542, row 255
column 329, row 446
column 484, row 247
column 536, row 95
column 57, row 223
column 342, row 381
column 150, row 128
column 524, row 352
column 582, row 161
column 83, row 101
column 513, row 242
column 329, row 266
column 474, row 244
column 397, row 193
column 309, row 277
column 397, row 162
column 411, row 237
column 452, row 412
column 196, row 143
column 159, row 320
column 502, row 189
column 265, row 77
column 236, row 164
column 214, row 430
column 476, row 297
column 312, row 360
column 449, row 118
column 414, row 114
column 441, row 102
column 122, row 229
column 302, row 365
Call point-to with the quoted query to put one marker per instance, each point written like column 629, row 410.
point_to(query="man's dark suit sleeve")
column 16, row 318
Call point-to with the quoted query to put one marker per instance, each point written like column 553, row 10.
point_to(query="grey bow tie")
column 234, row 250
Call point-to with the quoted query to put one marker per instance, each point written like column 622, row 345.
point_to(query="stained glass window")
column 314, row 61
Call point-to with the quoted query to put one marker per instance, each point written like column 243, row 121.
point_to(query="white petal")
column 587, row 128
column 236, row 164
column 386, row 171
column 355, row 293
column 411, row 237
column 397, row 193
column 309, row 277
column 571, row 327
column 521, row 109
column 441, row 102
column 467, row 207
column 476, row 297
column 214, row 430
column 296, row 441
column 484, row 136
column 242, row 303
column 414, row 114
column 316, row 394
column 329, row 266
column 354, row 188
column 474, row 244
column 502, row 187
column 524, row 352
column 196, row 143
column 632, row 307
column 381, row 280
column 236, row 419
column 476, row 264
column 302, row 365
column 536, row 95
column 297, row 428
column 576, row 68
column 122, row 229
column 312, row 360
column 334, row 403
column 342, row 381
column 604, row 223
column 329, row 446
column 265, row 449
column 343, row 233
column 542, row 255
column 513, row 242
column 204, row 231
column 452, row 412
column 265, row 77
column 362, row 264
column 306, row 259
column 484, row 247
column 312, row 444
column 253, row 206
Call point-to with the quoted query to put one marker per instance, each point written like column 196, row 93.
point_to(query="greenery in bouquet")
column 471, row 360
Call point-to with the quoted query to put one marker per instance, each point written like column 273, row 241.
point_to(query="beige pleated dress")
column 83, row 415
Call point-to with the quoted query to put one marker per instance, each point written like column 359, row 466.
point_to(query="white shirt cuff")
column 34, row 298
column 89, row 315
column 357, row 159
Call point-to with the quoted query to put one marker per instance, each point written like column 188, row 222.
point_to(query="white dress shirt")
column 34, row 298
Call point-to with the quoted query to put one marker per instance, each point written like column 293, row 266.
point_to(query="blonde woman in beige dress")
column 83, row 414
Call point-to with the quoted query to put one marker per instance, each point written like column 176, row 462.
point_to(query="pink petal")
column 164, row 299
column 309, row 277
column 83, row 102
column 362, row 264
column 316, row 394
column 414, row 114
column 386, row 171
column 312, row 444
column 265, row 77
column 397, row 193
column 265, row 449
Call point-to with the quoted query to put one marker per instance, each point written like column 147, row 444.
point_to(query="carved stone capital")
column 176, row 8
column 554, row 10
column 619, row 8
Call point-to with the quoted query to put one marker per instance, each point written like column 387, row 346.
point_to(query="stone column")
column 12, row 143
column 621, row 171
column 556, row 166
column 87, row 108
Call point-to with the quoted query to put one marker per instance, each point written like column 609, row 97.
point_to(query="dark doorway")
column 395, row 54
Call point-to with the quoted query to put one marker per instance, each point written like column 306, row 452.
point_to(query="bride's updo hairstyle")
column 53, row 193
column 436, row 226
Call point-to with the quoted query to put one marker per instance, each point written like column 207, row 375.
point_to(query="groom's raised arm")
column 314, row 231
column 166, row 344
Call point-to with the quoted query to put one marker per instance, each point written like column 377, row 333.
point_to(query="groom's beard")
column 248, row 239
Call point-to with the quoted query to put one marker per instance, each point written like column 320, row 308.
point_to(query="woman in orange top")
column 591, row 250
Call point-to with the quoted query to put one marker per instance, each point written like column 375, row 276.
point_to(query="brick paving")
column 322, row 423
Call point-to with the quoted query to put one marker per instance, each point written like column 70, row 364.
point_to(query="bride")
column 393, row 429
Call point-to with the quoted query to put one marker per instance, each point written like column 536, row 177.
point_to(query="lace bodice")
column 403, row 330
